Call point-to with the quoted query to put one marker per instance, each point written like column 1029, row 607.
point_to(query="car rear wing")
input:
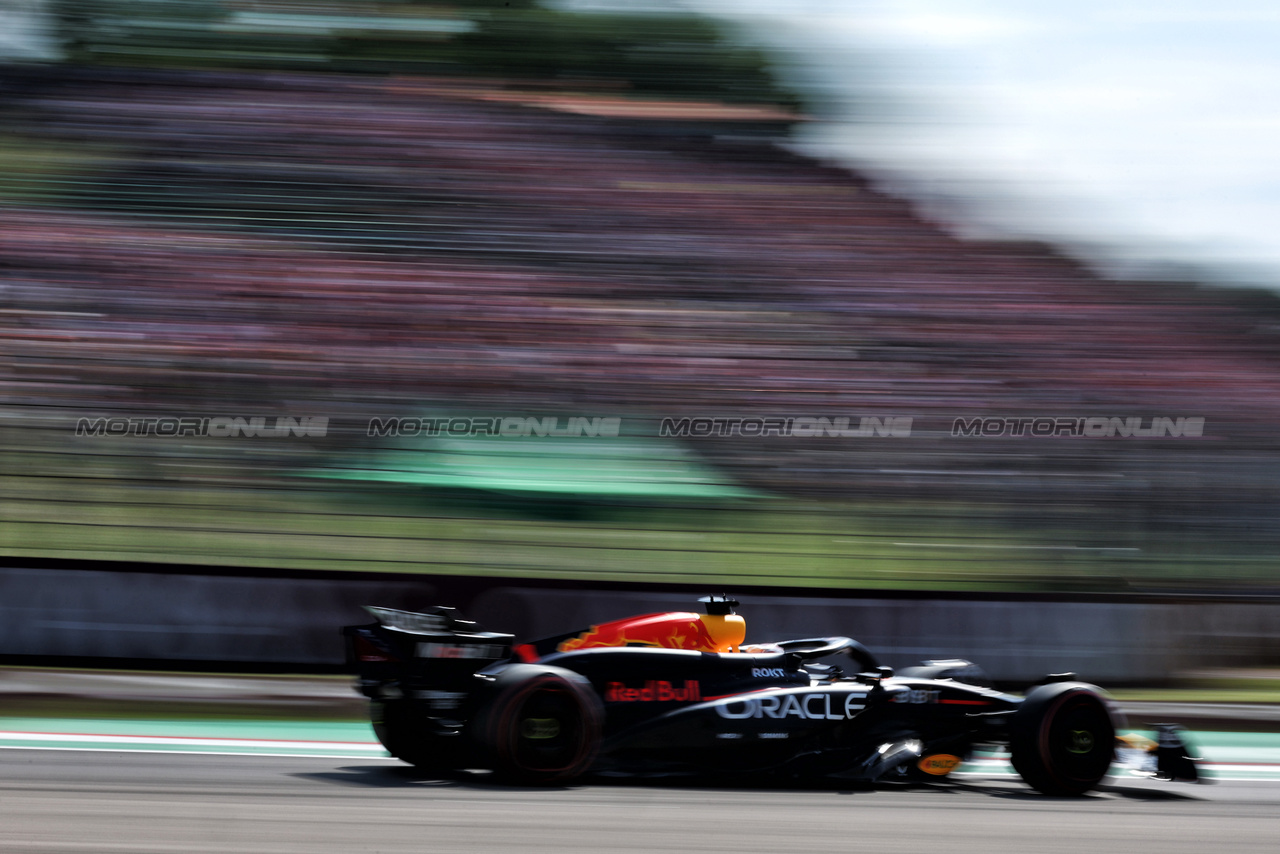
column 418, row 651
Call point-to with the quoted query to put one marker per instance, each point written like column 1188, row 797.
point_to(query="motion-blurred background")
column 359, row 212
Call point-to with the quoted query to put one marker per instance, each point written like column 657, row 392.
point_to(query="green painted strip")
column 277, row 738
column 1239, row 756
column 331, row 731
column 90, row 744
column 1252, row 740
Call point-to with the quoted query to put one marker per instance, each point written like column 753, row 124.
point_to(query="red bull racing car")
column 681, row 693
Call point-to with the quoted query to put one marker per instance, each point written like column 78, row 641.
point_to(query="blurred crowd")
column 329, row 245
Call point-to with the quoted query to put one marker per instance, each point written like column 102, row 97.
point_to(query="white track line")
column 194, row 741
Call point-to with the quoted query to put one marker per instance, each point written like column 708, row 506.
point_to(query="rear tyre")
column 541, row 725
column 1063, row 739
column 409, row 736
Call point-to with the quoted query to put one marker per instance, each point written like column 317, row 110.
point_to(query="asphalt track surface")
column 158, row 803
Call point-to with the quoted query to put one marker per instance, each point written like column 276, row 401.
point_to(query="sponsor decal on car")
column 939, row 764
column 768, row 672
column 1081, row 741
column 813, row 707
column 441, row 699
column 918, row 696
column 539, row 728
column 448, row 650
column 654, row 691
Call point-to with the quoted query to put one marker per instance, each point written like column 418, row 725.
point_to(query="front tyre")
column 1063, row 738
column 540, row 725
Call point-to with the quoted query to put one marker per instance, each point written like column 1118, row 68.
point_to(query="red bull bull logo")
column 678, row 630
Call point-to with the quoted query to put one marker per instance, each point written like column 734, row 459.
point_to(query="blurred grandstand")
column 350, row 231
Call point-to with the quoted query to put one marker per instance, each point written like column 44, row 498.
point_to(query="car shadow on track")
column 1105, row 791
column 384, row 776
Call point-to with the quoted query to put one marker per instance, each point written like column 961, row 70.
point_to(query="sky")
column 1136, row 134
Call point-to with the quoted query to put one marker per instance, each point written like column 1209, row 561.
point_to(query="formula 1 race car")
column 680, row 693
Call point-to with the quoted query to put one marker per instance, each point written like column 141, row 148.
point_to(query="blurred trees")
column 664, row 55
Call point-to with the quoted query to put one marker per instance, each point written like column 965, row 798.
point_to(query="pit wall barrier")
column 96, row 616
column 144, row 616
